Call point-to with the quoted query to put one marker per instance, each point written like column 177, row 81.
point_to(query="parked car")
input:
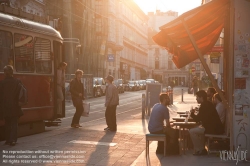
column 138, row 86
column 99, row 86
column 132, row 86
column 67, row 91
column 150, row 80
column 142, row 84
column 120, row 86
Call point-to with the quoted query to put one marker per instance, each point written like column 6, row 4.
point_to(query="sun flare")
column 179, row 6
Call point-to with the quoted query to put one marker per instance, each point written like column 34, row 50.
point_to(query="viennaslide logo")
column 237, row 155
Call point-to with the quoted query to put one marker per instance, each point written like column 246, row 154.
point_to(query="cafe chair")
column 222, row 137
column 155, row 137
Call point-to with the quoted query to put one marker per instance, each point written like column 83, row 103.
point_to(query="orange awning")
column 205, row 24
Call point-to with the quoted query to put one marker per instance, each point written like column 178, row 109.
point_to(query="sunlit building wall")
column 35, row 7
column 216, row 67
column 134, row 56
column 160, row 64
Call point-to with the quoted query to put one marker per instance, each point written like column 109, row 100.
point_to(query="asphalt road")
column 129, row 104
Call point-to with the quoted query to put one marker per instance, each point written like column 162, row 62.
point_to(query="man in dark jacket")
column 9, row 104
column 77, row 94
column 210, row 123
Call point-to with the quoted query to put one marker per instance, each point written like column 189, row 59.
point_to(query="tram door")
column 59, row 102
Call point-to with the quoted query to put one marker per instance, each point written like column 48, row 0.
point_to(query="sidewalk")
column 94, row 147
column 185, row 159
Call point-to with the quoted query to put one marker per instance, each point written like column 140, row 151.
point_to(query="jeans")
column 11, row 125
column 160, row 146
column 110, row 116
column 77, row 115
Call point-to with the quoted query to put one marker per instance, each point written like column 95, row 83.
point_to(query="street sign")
column 111, row 58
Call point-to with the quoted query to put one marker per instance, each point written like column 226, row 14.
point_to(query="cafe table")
column 182, row 136
column 183, row 115
column 181, row 112
column 182, row 119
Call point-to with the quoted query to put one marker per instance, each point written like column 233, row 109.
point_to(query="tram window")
column 6, row 54
column 42, row 56
column 24, row 54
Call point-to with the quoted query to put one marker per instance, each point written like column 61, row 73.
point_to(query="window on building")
column 42, row 56
column 6, row 54
column 157, row 64
column 197, row 67
column 157, row 51
column 24, row 53
column 170, row 64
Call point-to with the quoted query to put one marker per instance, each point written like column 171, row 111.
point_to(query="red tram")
column 34, row 50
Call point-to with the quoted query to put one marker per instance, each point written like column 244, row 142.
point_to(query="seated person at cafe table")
column 210, row 93
column 159, row 113
column 210, row 123
column 220, row 108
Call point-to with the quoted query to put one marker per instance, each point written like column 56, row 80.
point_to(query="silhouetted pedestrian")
column 9, row 104
column 77, row 94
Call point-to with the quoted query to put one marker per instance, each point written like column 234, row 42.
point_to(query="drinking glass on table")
column 192, row 109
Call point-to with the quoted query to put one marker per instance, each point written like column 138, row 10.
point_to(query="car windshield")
column 150, row 80
column 141, row 82
column 98, row 81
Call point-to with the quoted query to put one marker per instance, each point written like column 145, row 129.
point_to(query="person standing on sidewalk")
column 195, row 84
column 210, row 123
column 77, row 94
column 60, row 86
column 9, row 104
column 220, row 108
column 159, row 113
column 111, row 102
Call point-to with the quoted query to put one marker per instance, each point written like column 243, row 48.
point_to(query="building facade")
column 160, row 64
column 125, row 40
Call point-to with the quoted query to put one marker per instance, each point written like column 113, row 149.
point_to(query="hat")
column 110, row 78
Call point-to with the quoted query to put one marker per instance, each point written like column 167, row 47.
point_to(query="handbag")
column 86, row 109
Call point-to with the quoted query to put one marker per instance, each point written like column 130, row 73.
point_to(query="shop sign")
column 215, row 57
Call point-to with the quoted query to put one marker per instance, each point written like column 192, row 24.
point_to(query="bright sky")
column 179, row 6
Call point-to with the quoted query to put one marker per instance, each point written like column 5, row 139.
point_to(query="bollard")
column 170, row 95
column 149, row 104
column 143, row 106
column 182, row 95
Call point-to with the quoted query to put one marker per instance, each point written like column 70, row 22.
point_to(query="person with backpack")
column 10, row 105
